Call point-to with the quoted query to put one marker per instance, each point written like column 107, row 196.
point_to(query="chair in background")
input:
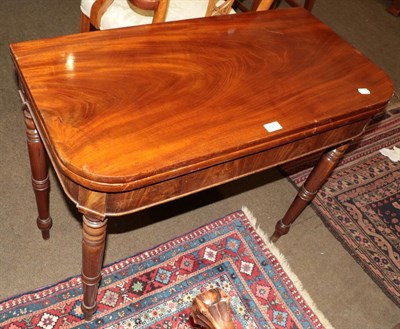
column 109, row 14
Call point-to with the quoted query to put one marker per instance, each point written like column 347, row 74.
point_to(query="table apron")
column 104, row 204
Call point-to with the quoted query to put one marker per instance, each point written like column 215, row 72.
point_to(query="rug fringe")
column 286, row 267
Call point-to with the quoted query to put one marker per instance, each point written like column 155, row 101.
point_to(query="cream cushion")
column 121, row 13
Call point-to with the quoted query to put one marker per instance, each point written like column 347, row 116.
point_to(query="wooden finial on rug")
column 211, row 310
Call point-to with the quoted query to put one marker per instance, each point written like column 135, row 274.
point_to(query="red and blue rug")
column 155, row 289
column 360, row 202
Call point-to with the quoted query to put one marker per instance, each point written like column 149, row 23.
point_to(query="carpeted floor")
column 338, row 285
column 156, row 288
column 359, row 203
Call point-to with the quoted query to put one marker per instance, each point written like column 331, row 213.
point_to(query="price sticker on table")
column 272, row 126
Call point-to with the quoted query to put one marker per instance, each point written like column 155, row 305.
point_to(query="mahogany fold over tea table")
column 138, row 116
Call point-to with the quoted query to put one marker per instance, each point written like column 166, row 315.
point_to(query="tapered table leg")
column 93, row 243
column 307, row 192
column 40, row 177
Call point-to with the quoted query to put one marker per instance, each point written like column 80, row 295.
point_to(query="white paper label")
column 364, row 91
column 272, row 126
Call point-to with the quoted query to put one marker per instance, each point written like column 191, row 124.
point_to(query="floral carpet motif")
column 155, row 289
column 360, row 202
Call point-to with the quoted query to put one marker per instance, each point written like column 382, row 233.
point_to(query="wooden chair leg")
column 85, row 23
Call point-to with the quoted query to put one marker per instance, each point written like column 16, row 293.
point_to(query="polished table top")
column 122, row 109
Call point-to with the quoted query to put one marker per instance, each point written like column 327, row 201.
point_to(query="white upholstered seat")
column 122, row 13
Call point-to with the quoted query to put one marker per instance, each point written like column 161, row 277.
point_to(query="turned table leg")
column 40, row 176
column 307, row 192
column 394, row 8
column 93, row 243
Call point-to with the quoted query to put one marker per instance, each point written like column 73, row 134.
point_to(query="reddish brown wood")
column 93, row 243
column 145, row 195
column 394, row 8
column 307, row 192
column 178, row 91
column 211, row 310
column 264, row 5
column 85, row 25
column 138, row 116
column 40, row 177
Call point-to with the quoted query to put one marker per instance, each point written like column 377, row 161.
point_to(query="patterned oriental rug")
column 360, row 202
column 155, row 289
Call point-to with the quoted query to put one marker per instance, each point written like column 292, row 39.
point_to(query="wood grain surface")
column 154, row 102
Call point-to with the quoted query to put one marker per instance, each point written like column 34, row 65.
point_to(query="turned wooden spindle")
column 39, row 170
column 93, row 244
column 211, row 310
column 310, row 188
